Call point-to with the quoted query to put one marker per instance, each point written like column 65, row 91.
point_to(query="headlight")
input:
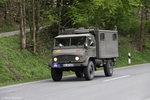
column 55, row 59
column 77, row 58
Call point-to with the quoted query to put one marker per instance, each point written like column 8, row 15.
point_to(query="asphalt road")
column 129, row 83
column 5, row 34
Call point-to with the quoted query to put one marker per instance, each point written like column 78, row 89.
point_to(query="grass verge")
column 19, row 66
column 7, row 26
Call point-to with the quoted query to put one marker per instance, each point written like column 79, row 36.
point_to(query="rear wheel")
column 108, row 68
column 56, row 74
column 89, row 71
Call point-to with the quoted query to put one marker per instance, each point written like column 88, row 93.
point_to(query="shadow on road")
column 76, row 79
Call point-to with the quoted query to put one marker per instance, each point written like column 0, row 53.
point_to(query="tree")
column 142, row 27
column 145, row 8
column 59, row 15
column 97, row 13
column 80, row 13
column 33, row 26
column 22, row 25
column 37, row 22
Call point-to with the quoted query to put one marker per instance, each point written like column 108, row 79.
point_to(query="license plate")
column 55, row 65
column 68, row 65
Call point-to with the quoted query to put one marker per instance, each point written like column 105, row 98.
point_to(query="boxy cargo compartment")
column 106, row 43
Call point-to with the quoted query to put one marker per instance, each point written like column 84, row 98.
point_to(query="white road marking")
column 116, row 78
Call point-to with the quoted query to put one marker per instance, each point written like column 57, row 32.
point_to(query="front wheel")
column 108, row 68
column 79, row 73
column 89, row 71
column 56, row 74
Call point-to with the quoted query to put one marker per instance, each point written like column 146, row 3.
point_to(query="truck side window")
column 114, row 37
column 102, row 36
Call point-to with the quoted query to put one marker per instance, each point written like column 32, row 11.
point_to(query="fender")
column 87, row 60
column 50, row 63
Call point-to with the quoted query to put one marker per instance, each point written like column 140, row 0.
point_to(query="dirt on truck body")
column 83, row 51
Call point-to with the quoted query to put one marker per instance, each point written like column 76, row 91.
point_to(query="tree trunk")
column 24, row 20
column 37, row 22
column 33, row 26
column 37, row 15
column 59, row 15
column 142, row 28
column 146, row 15
column 54, row 3
column 22, row 24
column 30, row 19
column 5, row 17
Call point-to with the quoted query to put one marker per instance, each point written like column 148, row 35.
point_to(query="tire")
column 79, row 73
column 89, row 71
column 108, row 68
column 56, row 74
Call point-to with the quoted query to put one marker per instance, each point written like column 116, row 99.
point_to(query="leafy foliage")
column 104, row 14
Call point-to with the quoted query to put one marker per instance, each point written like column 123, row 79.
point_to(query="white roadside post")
column 129, row 58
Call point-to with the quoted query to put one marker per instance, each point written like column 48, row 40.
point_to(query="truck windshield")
column 70, row 41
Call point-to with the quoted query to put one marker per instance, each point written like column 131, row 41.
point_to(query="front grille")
column 66, row 58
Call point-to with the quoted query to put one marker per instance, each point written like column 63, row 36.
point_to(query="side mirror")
column 91, row 44
column 60, row 45
column 85, row 45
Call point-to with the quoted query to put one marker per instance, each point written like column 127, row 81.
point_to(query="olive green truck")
column 83, row 51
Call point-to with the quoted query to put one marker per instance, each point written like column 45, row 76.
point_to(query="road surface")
column 5, row 34
column 128, row 83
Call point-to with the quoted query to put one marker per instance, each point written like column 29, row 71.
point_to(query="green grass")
column 137, row 57
column 7, row 26
column 17, row 66
column 8, row 29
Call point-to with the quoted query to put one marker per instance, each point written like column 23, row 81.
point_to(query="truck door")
column 91, row 47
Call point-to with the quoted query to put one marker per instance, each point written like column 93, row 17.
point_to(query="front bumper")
column 67, row 65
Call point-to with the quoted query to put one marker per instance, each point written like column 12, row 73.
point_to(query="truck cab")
column 80, row 50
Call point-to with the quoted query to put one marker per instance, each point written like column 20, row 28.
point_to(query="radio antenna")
column 66, row 24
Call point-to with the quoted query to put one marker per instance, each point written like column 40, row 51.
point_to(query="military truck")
column 83, row 51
